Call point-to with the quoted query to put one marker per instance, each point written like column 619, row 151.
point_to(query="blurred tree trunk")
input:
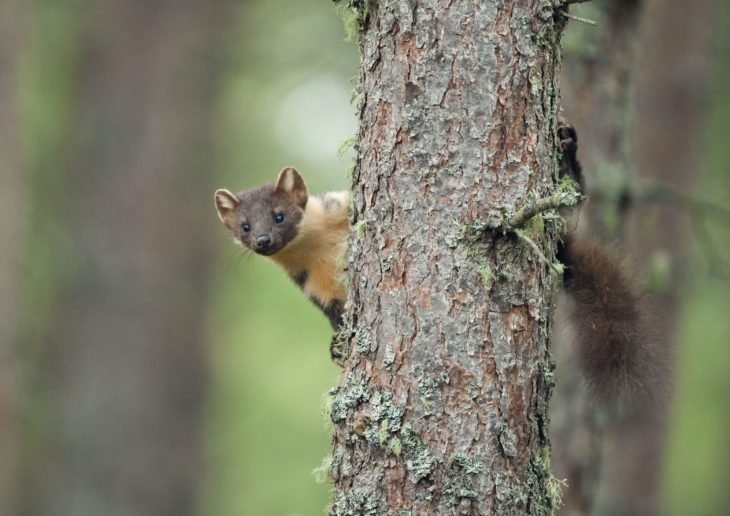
column 443, row 402
column 124, row 358
column 635, row 100
column 12, row 227
column 597, row 84
column 671, row 88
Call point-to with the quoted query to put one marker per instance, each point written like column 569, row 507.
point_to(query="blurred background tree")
column 120, row 365
column 646, row 65
column 147, row 364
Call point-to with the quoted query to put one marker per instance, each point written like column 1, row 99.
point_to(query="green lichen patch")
column 383, row 409
column 568, row 185
column 354, row 15
column 454, row 240
column 472, row 236
column 360, row 228
column 420, row 462
column 467, row 233
column 323, row 473
column 459, row 478
column 363, row 343
column 535, row 228
column 541, row 479
column 430, row 387
column 351, row 396
column 431, row 393
column 464, row 464
column 372, row 435
column 511, row 494
column 355, row 503
column 347, row 145
column 395, row 446
column 485, row 273
column 383, row 416
column 385, row 422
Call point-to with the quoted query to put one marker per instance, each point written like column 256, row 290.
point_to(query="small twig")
column 571, row 2
column 717, row 263
column 553, row 202
column 579, row 19
column 658, row 192
column 523, row 236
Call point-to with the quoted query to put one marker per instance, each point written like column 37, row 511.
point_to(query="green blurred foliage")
column 698, row 459
column 285, row 101
column 45, row 106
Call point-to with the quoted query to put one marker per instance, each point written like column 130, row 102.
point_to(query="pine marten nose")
column 263, row 241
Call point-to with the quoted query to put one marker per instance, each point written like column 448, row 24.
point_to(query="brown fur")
column 309, row 244
column 617, row 347
column 318, row 249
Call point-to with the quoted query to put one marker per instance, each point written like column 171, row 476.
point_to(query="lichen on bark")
column 445, row 410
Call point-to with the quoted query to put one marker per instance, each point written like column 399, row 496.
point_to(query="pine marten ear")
column 291, row 183
column 226, row 203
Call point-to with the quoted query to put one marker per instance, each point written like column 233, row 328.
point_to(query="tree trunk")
column 597, row 83
column 671, row 87
column 123, row 355
column 443, row 402
column 12, row 226
column 633, row 89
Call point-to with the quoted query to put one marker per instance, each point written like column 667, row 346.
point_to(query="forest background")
column 110, row 154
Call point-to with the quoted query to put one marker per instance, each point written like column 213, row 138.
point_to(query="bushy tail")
column 619, row 354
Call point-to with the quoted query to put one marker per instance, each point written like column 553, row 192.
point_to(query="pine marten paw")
column 568, row 143
column 338, row 349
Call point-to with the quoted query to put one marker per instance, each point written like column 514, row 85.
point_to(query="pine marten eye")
column 245, row 228
column 278, row 218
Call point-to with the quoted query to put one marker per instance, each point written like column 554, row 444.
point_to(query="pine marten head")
column 265, row 219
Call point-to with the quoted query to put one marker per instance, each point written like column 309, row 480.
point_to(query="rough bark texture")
column 12, row 224
column 124, row 352
column 443, row 403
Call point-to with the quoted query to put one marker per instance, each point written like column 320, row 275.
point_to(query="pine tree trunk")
column 443, row 403
column 673, row 69
column 596, row 81
column 633, row 88
column 124, row 360
column 13, row 28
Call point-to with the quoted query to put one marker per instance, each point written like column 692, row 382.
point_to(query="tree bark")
column 443, row 402
column 124, row 360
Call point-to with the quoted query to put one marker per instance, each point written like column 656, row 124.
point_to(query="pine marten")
column 307, row 235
